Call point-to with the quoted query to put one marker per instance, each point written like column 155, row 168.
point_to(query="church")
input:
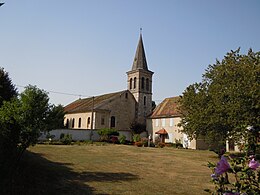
column 117, row 110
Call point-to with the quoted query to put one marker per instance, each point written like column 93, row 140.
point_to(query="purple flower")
column 253, row 164
column 231, row 193
column 222, row 166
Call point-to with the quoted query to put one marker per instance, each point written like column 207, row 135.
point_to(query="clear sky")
column 86, row 46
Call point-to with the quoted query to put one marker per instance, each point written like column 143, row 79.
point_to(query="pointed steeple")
column 140, row 59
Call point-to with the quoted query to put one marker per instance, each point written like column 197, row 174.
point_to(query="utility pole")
column 92, row 119
column 92, row 114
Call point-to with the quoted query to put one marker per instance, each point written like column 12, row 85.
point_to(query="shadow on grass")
column 37, row 175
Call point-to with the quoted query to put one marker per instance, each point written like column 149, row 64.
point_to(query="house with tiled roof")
column 163, row 123
column 116, row 110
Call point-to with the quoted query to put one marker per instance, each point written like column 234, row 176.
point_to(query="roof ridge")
column 85, row 104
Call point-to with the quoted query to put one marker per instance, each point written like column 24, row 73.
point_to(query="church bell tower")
column 139, row 83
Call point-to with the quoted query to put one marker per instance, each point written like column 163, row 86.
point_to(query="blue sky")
column 86, row 46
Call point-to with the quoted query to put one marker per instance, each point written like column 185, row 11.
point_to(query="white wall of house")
column 80, row 134
column 170, row 125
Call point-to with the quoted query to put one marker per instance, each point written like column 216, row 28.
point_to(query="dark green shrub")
column 106, row 133
column 136, row 138
column 66, row 139
column 122, row 139
column 62, row 136
column 137, row 128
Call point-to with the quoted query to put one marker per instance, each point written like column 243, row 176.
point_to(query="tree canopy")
column 226, row 101
column 22, row 120
column 7, row 89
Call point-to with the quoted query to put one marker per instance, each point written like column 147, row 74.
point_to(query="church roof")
column 167, row 108
column 140, row 59
column 87, row 104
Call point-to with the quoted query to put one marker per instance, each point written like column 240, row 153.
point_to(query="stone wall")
column 80, row 134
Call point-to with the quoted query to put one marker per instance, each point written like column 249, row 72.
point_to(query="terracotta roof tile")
column 161, row 132
column 86, row 104
column 167, row 108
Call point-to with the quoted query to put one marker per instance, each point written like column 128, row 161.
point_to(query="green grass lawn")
column 113, row 169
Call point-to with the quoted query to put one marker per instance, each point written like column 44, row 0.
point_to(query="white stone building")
column 164, row 123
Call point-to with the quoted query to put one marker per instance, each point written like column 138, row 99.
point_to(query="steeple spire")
column 140, row 59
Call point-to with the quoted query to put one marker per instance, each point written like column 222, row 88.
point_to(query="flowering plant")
column 234, row 175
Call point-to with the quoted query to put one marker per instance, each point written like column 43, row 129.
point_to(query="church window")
column 134, row 82
column 79, row 125
column 131, row 83
column 73, row 123
column 147, row 84
column 113, row 122
column 88, row 121
column 126, row 95
column 142, row 84
column 144, row 100
column 102, row 120
column 67, row 123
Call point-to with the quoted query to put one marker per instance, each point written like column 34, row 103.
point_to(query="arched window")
column 88, row 122
column 113, row 122
column 79, row 125
column 102, row 120
column 67, row 123
column 131, row 83
column 144, row 100
column 142, row 84
column 73, row 123
column 147, row 84
column 134, row 82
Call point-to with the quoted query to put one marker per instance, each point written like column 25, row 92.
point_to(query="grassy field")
column 114, row 169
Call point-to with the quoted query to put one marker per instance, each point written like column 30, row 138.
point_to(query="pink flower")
column 222, row 166
column 253, row 164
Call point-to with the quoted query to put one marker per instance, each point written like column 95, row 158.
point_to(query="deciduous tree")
column 226, row 101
